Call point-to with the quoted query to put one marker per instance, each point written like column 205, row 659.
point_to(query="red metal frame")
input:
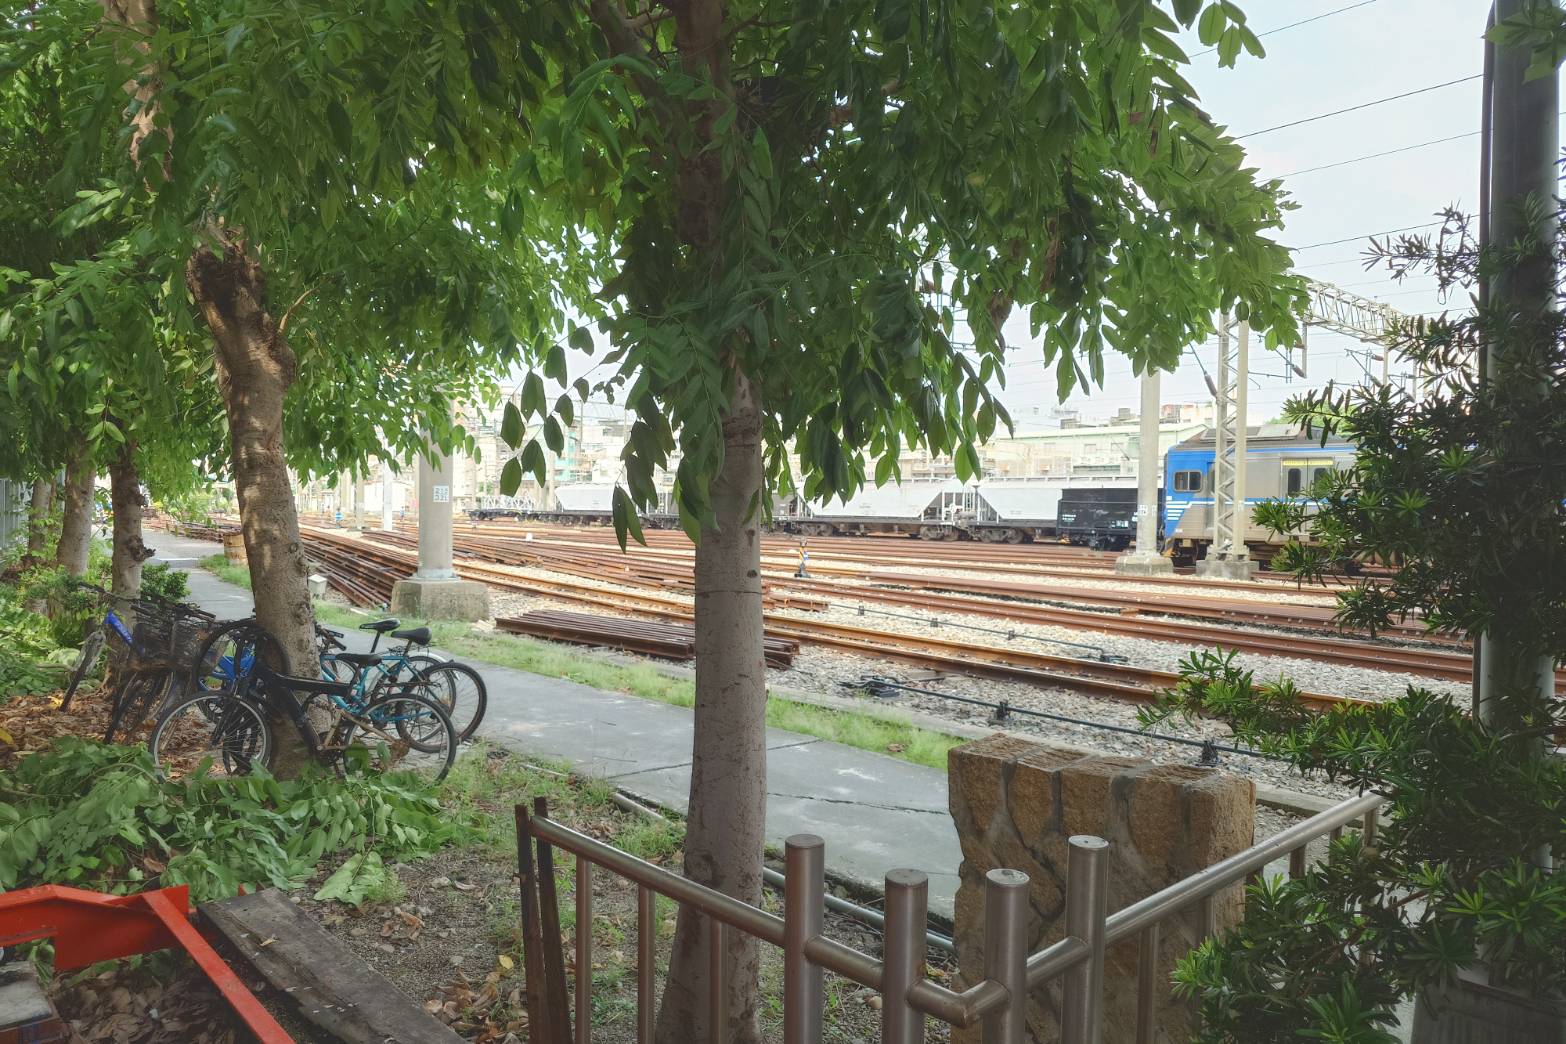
column 88, row 927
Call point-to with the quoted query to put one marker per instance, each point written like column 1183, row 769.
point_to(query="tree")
column 802, row 227
column 1461, row 490
column 349, row 282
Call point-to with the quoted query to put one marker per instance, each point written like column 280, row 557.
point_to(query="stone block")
column 1015, row 804
column 440, row 599
column 1141, row 563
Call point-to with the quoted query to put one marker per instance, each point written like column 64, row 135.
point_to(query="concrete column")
column 1242, row 394
column 1145, row 560
column 435, row 515
column 434, row 591
column 386, row 496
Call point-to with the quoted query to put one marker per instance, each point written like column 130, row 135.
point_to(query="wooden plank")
column 334, row 989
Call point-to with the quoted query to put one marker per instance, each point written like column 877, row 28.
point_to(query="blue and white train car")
column 1281, row 460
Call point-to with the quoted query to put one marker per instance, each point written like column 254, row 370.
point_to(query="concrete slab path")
column 875, row 812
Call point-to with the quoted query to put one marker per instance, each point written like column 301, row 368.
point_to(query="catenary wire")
column 1356, row 108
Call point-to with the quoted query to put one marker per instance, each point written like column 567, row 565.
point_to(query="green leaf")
column 533, row 400
column 361, row 872
column 511, row 425
column 511, row 478
column 626, row 520
column 1187, row 10
column 761, row 154
column 553, row 436
column 581, row 339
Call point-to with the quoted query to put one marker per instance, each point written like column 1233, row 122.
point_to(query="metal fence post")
column 804, row 904
column 1087, row 903
column 907, row 897
column 1147, row 984
column 584, row 951
column 1006, row 924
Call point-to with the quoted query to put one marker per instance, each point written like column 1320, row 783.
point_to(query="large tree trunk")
column 126, row 499
column 725, row 830
column 76, row 529
column 38, row 518
column 255, row 367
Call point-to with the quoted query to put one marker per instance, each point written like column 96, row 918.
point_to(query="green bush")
column 101, row 816
column 30, row 658
column 163, row 580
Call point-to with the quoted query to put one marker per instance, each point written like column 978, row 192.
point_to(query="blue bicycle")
column 149, row 659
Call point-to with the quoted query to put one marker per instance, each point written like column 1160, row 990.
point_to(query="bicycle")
column 229, row 733
column 457, row 686
column 150, row 654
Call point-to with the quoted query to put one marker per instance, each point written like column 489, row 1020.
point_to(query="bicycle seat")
column 271, row 677
column 416, row 635
column 381, row 626
column 358, row 659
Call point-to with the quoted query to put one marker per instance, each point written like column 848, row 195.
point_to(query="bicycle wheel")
column 223, row 731
column 404, row 732
column 461, row 690
column 135, row 701
column 92, row 648
column 228, row 653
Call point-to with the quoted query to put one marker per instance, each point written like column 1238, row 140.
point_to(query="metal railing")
column 998, row 1001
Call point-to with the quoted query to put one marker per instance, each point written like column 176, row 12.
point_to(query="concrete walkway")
column 875, row 812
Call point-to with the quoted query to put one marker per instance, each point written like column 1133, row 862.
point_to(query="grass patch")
column 874, row 732
column 883, row 735
column 220, row 567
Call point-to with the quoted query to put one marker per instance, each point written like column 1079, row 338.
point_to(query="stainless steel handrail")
column 998, row 999
column 1144, row 912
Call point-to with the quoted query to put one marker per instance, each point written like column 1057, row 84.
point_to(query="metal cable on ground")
column 936, row 621
column 1003, row 709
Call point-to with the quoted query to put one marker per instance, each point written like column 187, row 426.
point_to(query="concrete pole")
column 435, row 515
column 386, row 496
column 1524, row 148
column 358, row 503
column 1242, row 386
column 1146, row 560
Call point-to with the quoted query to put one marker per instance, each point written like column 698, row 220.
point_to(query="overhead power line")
column 1365, row 235
column 1356, row 108
column 1389, row 152
column 1296, row 25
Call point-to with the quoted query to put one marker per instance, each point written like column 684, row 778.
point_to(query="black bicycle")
column 228, row 733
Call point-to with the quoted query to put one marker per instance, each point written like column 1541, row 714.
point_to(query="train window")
column 1187, row 481
column 1294, row 481
column 1316, row 473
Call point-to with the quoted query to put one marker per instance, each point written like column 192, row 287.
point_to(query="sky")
column 1357, row 51
column 1372, row 50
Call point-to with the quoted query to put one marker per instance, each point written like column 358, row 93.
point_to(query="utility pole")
column 1229, row 557
column 1145, row 560
column 1524, row 148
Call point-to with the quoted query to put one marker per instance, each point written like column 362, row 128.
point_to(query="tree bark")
column 725, row 828
column 76, row 529
column 126, row 499
column 38, row 518
column 255, row 367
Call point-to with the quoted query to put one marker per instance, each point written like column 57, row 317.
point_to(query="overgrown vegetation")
column 100, row 816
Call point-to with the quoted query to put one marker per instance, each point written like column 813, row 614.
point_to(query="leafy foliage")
column 100, row 816
column 844, row 203
column 1460, row 491
column 164, row 581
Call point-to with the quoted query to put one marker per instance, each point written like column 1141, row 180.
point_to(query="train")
column 1281, row 461
column 1090, row 511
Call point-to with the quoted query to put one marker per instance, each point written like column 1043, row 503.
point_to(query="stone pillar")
column 1015, row 803
column 435, row 516
column 1145, row 560
column 386, row 496
column 434, row 591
